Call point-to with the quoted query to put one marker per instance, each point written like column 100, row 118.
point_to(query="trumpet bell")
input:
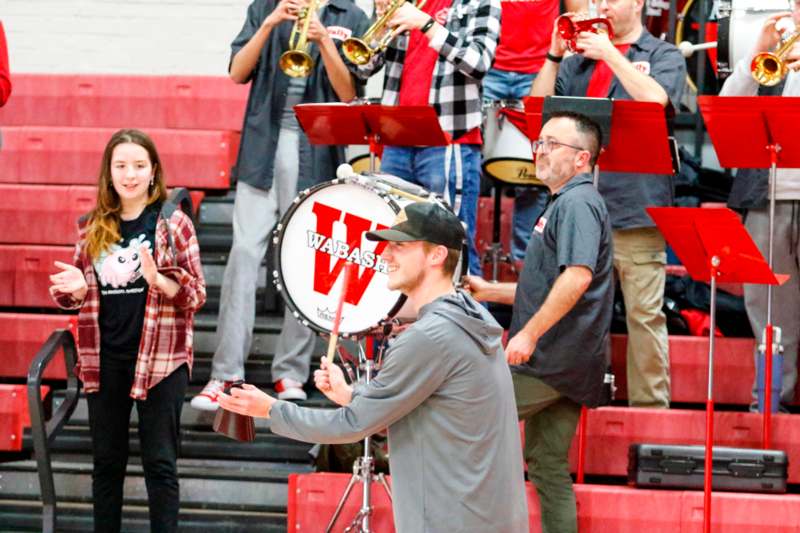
column 768, row 69
column 357, row 51
column 296, row 63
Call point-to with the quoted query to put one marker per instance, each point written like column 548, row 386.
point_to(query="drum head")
column 321, row 232
column 507, row 155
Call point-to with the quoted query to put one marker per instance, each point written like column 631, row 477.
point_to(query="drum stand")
column 494, row 254
column 363, row 468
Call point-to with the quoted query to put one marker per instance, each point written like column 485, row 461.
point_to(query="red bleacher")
column 21, row 336
column 601, row 508
column 14, row 415
column 71, row 156
column 733, row 368
column 110, row 101
column 611, row 430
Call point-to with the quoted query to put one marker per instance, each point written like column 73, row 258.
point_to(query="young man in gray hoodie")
column 444, row 392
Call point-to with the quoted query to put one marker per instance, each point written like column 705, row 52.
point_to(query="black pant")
column 159, row 436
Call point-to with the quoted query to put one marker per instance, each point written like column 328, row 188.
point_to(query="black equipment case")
column 682, row 467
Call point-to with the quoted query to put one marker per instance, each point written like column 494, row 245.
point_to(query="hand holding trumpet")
column 407, row 17
column 285, row 10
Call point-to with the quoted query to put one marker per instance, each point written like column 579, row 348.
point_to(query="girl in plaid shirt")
column 137, row 280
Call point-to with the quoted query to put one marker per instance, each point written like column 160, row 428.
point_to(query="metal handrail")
column 44, row 432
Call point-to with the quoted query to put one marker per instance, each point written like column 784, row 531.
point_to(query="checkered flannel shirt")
column 168, row 324
column 466, row 46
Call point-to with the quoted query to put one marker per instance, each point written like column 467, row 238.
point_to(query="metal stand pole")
column 768, row 330
column 374, row 142
column 709, row 458
column 363, row 472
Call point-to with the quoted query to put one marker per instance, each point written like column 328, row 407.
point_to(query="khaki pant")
column 550, row 422
column 639, row 259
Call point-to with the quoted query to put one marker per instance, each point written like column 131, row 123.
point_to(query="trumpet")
column 296, row 62
column 360, row 50
column 569, row 29
column 769, row 68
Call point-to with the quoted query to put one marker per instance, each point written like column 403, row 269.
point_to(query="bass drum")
column 324, row 229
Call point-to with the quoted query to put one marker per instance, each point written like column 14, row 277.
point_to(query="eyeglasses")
column 548, row 145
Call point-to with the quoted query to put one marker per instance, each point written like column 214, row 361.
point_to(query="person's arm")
column 472, row 55
column 567, row 290
column 544, row 84
column 5, row 73
column 183, row 283
column 68, row 287
column 338, row 74
column 487, row 291
column 640, row 86
column 253, row 36
column 407, row 379
column 741, row 81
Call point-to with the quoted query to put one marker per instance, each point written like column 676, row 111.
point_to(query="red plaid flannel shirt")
column 168, row 324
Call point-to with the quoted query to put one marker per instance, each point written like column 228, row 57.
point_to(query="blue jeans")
column 529, row 202
column 425, row 166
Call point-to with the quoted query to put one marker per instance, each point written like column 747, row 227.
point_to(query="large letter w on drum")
column 324, row 244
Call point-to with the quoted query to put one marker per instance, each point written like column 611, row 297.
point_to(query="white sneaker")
column 207, row 399
column 289, row 389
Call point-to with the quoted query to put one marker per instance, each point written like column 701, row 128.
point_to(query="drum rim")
column 277, row 273
column 487, row 162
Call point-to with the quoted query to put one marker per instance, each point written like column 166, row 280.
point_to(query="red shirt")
column 5, row 76
column 600, row 82
column 525, row 30
column 420, row 60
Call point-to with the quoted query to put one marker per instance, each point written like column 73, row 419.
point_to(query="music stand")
column 639, row 124
column 756, row 132
column 714, row 247
column 342, row 124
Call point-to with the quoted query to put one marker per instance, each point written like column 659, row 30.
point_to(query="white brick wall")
column 127, row 36
column 121, row 37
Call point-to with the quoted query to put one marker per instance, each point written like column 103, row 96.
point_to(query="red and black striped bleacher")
column 54, row 130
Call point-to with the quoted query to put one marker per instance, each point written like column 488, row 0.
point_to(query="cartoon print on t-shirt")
column 121, row 266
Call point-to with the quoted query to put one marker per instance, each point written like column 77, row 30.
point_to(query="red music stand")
column 714, row 247
column 639, row 124
column 373, row 124
column 756, row 132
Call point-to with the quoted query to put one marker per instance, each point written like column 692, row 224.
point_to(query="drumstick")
column 348, row 274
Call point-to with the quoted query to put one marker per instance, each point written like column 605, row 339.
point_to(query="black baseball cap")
column 423, row 221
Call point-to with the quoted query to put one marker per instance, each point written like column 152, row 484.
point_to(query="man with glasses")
column 634, row 65
column 562, row 311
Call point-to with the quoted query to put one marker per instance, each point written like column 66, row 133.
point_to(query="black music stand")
column 757, row 132
column 639, row 124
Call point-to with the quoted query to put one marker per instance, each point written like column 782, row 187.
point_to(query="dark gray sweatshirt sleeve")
column 413, row 369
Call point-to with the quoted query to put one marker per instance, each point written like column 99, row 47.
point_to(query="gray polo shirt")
column 574, row 230
column 627, row 193
column 268, row 90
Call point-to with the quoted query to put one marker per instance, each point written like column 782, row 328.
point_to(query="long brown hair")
column 104, row 219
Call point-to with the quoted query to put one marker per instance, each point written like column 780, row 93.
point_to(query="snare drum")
column 507, row 154
column 324, row 229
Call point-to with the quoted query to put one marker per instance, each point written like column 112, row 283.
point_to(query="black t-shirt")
column 123, row 289
column 574, row 230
